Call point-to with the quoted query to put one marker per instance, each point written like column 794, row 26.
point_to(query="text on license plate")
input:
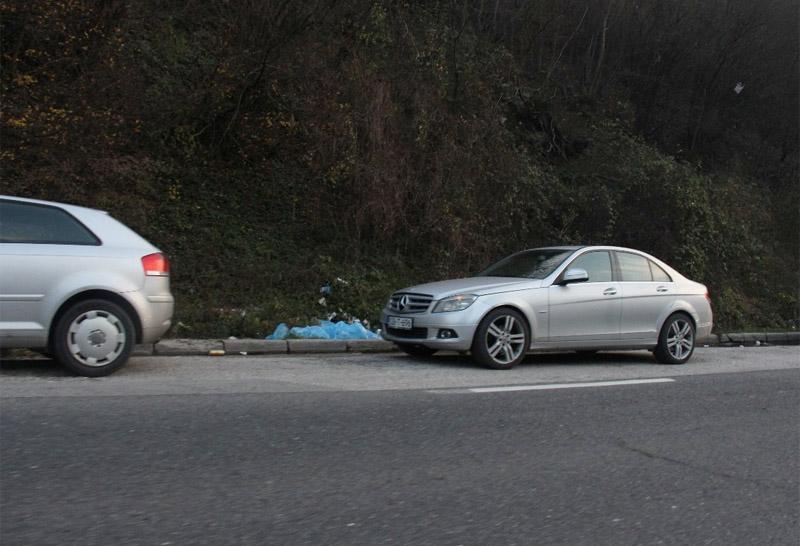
column 401, row 323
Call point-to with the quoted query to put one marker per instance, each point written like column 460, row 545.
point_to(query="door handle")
column 609, row 291
column 662, row 289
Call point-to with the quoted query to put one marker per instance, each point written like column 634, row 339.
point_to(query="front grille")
column 404, row 302
column 414, row 333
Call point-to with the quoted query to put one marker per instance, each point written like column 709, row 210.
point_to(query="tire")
column 501, row 340
column 676, row 340
column 93, row 338
column 416, row 350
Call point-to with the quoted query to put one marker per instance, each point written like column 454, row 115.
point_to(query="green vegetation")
column 271, row 147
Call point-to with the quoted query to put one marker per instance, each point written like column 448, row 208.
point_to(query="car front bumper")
column 426, row 327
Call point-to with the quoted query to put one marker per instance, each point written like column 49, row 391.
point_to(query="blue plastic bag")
column 281, row 331
column 325, row 330
column 343, row 330
column 310, row 332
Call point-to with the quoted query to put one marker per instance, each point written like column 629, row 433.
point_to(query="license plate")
column 400, row 323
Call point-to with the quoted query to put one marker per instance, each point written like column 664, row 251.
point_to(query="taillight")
column 708, row 296
column 155, row 265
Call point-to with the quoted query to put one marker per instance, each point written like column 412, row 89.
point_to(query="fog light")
column 446, row 334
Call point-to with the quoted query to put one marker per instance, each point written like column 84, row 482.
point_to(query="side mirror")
column 574, row 275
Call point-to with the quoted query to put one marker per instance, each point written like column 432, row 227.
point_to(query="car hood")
column 473, row 285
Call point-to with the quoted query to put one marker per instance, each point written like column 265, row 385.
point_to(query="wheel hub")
column 96, row 338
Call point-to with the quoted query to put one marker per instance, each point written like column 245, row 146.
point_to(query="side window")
column 596, row 264
column 659, row 275
column 41, row 224
column 634, row 267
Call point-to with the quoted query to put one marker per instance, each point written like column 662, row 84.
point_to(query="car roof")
column 66, row 206
column 554, row 248
column 611, row 247
column 587, row 247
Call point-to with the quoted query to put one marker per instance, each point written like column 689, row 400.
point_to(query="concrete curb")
column 244, row 347
column 235, row 347
column 758, row 338
column 255, row 346
column 180, row 347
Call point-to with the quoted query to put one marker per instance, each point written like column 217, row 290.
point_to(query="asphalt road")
column 374, row 449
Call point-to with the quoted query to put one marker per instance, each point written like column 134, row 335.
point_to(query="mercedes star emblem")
column 402, row 303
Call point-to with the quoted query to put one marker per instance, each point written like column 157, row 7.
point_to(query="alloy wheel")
column 680, row 339
column 505, row 339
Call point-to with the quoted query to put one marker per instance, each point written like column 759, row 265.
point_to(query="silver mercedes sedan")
column 576, row 298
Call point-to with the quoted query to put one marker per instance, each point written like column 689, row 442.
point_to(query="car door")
column 647, row 292
column 587, row 311
column 38, row 246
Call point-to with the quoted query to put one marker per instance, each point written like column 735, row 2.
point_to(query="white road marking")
column 571, row 385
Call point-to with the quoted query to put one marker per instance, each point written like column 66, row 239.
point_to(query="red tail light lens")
column 155, row 265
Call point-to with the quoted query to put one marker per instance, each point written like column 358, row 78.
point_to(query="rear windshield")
column 530, row 264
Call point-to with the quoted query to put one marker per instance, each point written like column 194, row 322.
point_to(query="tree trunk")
column 601, row 55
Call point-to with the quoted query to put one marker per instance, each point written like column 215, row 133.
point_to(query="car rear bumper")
column 155, row 313
column 704, row 332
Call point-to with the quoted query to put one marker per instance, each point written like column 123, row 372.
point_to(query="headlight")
column 455, row 303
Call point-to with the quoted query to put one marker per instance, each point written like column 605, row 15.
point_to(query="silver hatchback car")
column 585, row 298
column 79, row 285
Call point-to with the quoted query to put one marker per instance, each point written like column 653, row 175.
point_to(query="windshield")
column 530, row 264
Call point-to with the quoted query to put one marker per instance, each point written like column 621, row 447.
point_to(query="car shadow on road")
column 620, row 358
column 32, row 367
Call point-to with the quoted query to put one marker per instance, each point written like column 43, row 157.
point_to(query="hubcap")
column 505, row 339
column 680, row 339
column 96, row 338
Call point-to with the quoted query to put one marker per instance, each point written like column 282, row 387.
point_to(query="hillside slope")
column 272, row 147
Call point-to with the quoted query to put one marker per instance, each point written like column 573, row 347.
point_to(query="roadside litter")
column 336, row 324
column 280, row 332
column 324, row 330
